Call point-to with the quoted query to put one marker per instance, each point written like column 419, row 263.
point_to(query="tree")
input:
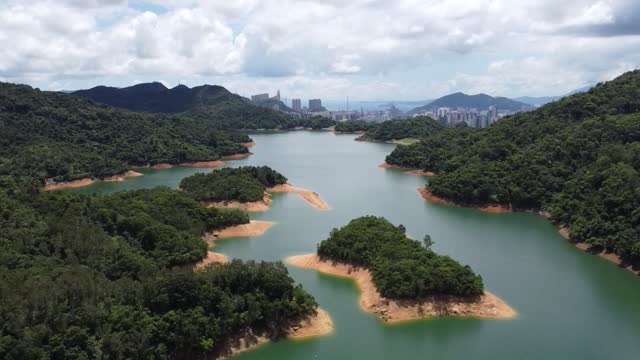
column 428, row 243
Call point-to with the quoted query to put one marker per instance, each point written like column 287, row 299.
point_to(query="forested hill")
column 109, row 277
column 577, row 158
column 155, row 97
column 479, row 101
column 53, row 135
column 210, row 103
column 401, row 129
column 243, row 184
column 402, row 268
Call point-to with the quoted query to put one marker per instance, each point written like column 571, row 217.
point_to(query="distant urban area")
column 476, row 111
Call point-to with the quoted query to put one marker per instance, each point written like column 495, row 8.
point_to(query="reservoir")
column 571, row 305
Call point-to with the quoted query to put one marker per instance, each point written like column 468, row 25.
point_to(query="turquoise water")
column 571, row 305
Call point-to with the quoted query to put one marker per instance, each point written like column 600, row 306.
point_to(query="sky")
column 330, row 49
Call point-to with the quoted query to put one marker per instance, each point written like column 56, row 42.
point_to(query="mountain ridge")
column 479, row 101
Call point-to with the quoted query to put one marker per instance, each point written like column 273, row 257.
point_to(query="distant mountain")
column 155, row 97
column 211, row 103
column 479, row 101
column 541, row 100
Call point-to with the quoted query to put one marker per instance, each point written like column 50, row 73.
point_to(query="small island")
column 247, row 188
column 401, row 279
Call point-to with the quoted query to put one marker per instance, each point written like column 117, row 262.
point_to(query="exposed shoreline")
column 391, row 311
column 203, row 164
column 408, row 171
column 88, row 181
column 311, row 197
column 248, row 144
column 253, row 229
column 610, row 257
column 562, row 229
column 489, row 208
column 318, row 325
column 254, row 206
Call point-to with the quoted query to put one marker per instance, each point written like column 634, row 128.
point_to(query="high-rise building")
column 277, row 97
column 315, row 105
column 493, row 113
column 259, row 97
column 296, row 104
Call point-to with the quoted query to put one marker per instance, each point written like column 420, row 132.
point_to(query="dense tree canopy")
column 243, row 184
column 96, row 277
column 401, row 267
column 577, row 158
column 53, row 135
column 404, row 128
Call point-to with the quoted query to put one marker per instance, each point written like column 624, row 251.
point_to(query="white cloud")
column 533, row 46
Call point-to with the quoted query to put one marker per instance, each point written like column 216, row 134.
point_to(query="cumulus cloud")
column 532, row 46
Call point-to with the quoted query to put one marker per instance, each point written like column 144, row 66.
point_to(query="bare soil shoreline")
column 318, row 325
column 610, row 257
column 119, row 178
column 252, row 229
column 88, row 181
column 562, row 229
column 309, row 196
column 489, row 208
column 392, row 311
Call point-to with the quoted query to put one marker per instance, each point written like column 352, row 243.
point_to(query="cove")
column 570, row 304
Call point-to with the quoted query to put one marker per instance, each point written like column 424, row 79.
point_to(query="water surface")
column 571, row 305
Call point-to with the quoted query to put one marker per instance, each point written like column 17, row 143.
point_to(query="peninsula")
column 247, row 188
column 399, row 278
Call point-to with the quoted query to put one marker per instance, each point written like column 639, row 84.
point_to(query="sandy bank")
column 315, row 326
column 86, row 182
column 255, row 206
column 203, row 164
column 212, row 258
column 420, row 172
column 487, row 306
column 252, row 229
column 237, row 156
column 68, row 184
column 248, row 144
column 490, row 208
column 309, row 196
column 263, row 205
column 161, row 166
column 408, row 171
column 610, row 257
column 123, row 177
